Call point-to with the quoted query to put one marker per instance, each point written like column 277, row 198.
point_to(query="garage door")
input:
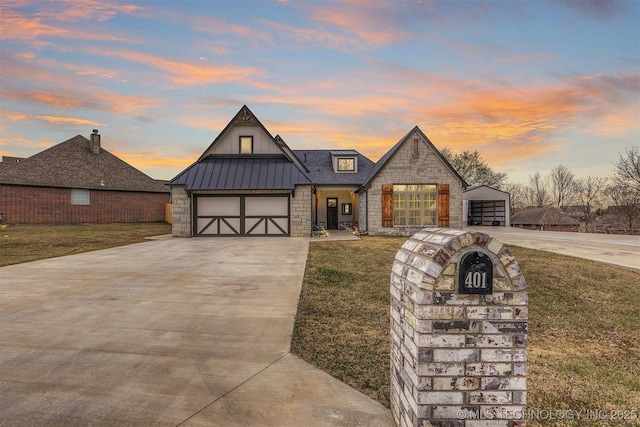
column 242, row 215
column 487, row 212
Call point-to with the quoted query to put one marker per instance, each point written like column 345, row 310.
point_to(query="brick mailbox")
column 458, row 332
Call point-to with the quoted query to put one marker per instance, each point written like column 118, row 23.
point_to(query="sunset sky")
column 529, row 84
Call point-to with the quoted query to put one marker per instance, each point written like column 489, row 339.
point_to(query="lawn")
column 584, row 318
column 23, row 243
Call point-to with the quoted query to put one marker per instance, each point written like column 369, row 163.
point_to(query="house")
column 248, row 182
column 484, row 205
column 78, row 181
column 544, row 219
column 336, row 176
column 624, row 219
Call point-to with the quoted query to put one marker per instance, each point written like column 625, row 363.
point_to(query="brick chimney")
column 95, row 142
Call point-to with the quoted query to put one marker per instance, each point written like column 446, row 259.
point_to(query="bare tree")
column 625, row 206
column 624, row 191
column 590, row 192
column 537, row 194
column 627, row 170
column 518, row 196
column 473, row 169
column 562, row 185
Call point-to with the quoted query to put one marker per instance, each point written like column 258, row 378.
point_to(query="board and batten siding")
column 230, row 143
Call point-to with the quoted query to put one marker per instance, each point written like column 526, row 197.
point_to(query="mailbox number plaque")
column 475, row 274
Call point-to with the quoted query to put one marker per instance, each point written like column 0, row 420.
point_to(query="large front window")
column 415, row 204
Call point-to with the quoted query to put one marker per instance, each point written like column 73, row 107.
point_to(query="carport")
column 484, row 205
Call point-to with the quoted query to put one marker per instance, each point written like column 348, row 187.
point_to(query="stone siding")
column 403, row 168
column 362, row 211
column 180, row 212
column 301, row 212
column 457, row 359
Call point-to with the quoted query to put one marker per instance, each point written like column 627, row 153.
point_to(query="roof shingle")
column 320, row 166
column 542, row 216
column 71, row 164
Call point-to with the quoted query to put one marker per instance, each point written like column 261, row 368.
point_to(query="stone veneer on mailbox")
column 457, row 359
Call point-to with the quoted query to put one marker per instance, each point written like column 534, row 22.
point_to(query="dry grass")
column 345, row 301
column 584, row 351
column 23, row 243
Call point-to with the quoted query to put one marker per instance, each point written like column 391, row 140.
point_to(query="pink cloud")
column 191, row 73
column 69, row 120
column 213, row 25
column 75, row 99
column 79, row 10
column 46, row 22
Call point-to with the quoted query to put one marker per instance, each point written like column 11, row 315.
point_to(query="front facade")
column 249, row 183
column 77, row 181
column 336, row 175
column 246, row 183
column 411, row 187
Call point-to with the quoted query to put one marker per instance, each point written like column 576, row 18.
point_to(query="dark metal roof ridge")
column 246, row 156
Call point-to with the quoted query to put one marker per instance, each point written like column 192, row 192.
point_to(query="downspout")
column 192, row 211
column 311, row 197
column 315, row 202
column 366, row 204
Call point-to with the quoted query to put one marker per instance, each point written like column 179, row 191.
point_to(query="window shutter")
column 443, row 205
column 416, row 148
column 387, row 205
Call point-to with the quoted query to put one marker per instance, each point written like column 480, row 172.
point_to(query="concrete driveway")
column 165, row 333
column 614, row 249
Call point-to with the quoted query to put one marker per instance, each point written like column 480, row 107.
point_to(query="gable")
column 416, row 156
column 244, row 124
column 484, row 192
column 229, row 144
column 245, row 156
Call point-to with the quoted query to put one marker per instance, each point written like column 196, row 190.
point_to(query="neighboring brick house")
column 78, row 181
column 544, row 219
column 248, row 182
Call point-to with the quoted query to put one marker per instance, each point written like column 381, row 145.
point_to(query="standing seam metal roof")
column 241, row 173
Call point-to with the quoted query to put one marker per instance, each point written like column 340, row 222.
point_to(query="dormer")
column 344, row 161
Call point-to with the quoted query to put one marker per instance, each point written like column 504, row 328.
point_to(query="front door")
column 332, row 213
